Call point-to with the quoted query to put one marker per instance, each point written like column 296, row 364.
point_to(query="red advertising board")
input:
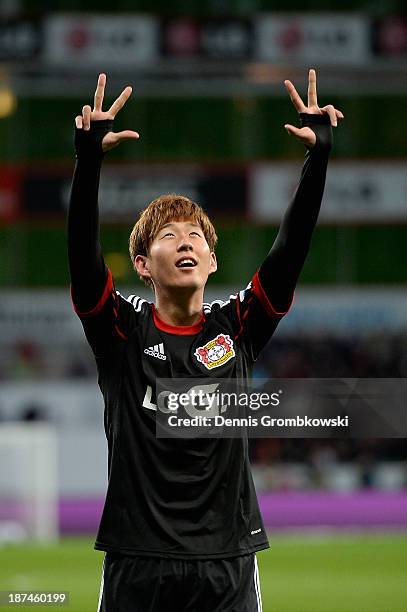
column 10, row 193
column 390, row 37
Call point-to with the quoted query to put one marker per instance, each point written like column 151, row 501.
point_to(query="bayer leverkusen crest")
column 216, row 352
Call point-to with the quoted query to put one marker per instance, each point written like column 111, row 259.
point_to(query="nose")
column 185, row 244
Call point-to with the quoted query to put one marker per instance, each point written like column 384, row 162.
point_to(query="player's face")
column 180, row 257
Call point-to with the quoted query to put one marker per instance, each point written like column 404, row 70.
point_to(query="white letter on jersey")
column 147, row 403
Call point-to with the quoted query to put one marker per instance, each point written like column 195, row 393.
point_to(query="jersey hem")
column 134, row 552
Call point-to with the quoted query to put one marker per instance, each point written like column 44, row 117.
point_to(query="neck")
column 184, row 308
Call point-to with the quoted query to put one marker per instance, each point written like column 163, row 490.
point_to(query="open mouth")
column 186, row 262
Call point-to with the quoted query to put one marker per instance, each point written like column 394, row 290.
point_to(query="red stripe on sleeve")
column 245, row 314
column 120, row 333
column 264, row 299
column 106, row 292
column 238, row 309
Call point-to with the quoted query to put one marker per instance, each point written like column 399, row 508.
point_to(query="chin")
column 188, row 283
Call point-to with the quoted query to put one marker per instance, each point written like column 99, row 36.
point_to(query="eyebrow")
column 172, row 225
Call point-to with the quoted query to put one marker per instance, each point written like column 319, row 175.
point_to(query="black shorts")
column 149, row 584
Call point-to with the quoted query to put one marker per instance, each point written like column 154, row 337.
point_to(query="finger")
column 78, row 122
column 295, row 97
column 120, row 101
column 339, row 114
column 304, row 134
column 292, row 130
column 86, row 111
column 126, row 134
column 112, row 139
column 330, row 110
column 312, row 88
column 100, row 92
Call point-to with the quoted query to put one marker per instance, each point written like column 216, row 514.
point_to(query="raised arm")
column 280, row 270
column 93, row 137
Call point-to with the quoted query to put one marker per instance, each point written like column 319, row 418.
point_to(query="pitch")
column 300, row 573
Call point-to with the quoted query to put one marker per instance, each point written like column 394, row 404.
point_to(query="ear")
column 213, row 264
column 141, row 265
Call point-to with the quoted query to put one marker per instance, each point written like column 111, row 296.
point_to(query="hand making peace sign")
column 305, row 134
column 111, row 139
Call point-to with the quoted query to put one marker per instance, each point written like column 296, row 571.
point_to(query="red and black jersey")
column 168, row 496
column 175, row 497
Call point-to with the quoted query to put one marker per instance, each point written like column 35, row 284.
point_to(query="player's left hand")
column 305, row 134
column 111, row 139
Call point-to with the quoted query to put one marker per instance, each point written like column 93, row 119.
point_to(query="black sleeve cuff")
column 307, row 119
column 321, row 126
column 88, row 143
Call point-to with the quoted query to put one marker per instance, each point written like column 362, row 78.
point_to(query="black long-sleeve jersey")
column 172, row 497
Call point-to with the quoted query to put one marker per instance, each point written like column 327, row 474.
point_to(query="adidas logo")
column 156, row 351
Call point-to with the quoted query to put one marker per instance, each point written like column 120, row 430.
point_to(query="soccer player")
column 181, row 523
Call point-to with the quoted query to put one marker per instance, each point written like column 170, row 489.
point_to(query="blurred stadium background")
column 210, row 105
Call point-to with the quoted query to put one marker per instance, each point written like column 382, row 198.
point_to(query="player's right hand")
column 305, row 134
column 111, row 139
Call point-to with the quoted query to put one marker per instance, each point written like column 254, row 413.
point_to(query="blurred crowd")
column 30, row 361
column 373, row 356
column 379, row 355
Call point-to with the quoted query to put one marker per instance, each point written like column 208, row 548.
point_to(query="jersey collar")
column 179, row 330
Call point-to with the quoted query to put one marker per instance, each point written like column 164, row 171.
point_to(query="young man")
column 181, row 523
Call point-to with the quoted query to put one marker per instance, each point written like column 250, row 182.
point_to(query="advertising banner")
column 20, row 39
column 10, row 193
column 125, row 190
column 96, row 41
column 313, row 39
column 46, row 317
column 390, row 37
column 186, row 37
column 355, row 191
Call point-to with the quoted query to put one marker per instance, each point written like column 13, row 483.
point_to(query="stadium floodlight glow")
column 8, row 102
column 8, row 99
